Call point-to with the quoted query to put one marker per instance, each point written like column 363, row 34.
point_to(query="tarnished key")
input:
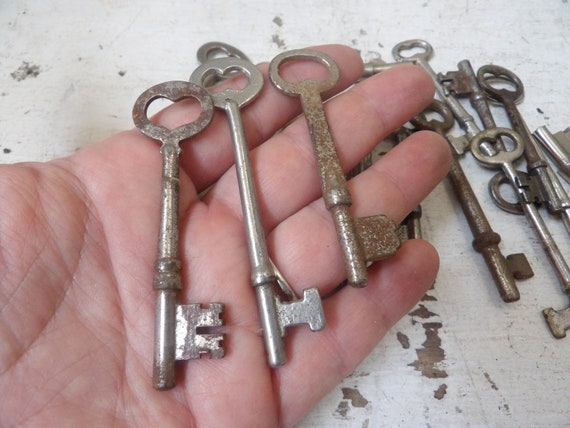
column 485, row 239
column 176, row 335
column 490, row 78
column 505, row 159
column 362, row 240
column 275, row 315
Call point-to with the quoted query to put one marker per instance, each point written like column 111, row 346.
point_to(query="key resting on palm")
column 275, row 315
column 176, row 334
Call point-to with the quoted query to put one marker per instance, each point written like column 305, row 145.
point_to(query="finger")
column 356, row 320
column 210, row 154
column 285, row 167
column 392, row 186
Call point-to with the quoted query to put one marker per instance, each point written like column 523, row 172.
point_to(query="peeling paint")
column 354, row 396
column 423, row 312
column 431, row 355
column 25, row 70
column 440, row 392
column 403, row 339
column 493, row 384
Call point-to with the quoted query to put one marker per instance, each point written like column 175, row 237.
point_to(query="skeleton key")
column 176, row 336
column 505, row 159
column 557, row 199
column 275, row 315
column 485, row 239
column 362, row 240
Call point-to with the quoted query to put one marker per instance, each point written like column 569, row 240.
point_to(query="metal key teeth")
column 190, row 343
column 309, row 311
column 558, row 321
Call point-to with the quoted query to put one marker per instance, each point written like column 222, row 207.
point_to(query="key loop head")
column 207, row 51
column 296, row 88
column 501, row 157
column 490, row 75
column 495, row 190
column 441, row 125
column 407, row 45
column 174, row 91
column 225, row 67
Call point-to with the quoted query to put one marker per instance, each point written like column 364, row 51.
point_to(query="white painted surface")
column 503, row 367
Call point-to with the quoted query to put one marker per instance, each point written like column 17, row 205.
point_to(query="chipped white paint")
column 95, row 56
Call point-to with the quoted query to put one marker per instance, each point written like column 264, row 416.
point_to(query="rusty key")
column 177, row 326
column 485, row 239
column 362, row 240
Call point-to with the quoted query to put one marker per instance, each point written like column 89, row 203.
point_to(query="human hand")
column 78, row 241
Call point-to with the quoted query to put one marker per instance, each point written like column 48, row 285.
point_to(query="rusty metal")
column 486, row 241
column 176, row 335
column 275, row 315
column 362, row 240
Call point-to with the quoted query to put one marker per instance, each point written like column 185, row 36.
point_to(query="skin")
column 78, row 242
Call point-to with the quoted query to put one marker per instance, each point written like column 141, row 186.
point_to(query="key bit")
column 558, row 321
column 355, row 237
column 176, row 326
column 190, row 318
column 309, row 311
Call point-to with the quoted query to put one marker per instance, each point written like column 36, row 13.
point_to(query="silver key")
column 176, row 336
column 275, row 314
column 362, row 240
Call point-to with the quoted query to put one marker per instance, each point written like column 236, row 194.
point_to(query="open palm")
column 78, row 241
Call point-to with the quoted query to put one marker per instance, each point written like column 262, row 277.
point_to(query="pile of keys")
column 500, row 148
column 362, row 240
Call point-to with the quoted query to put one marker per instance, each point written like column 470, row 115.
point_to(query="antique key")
column 176, row 335
column 275, row 315
column 485, row 239
column 557, row 199
column 505, row 159
column 362, row 240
